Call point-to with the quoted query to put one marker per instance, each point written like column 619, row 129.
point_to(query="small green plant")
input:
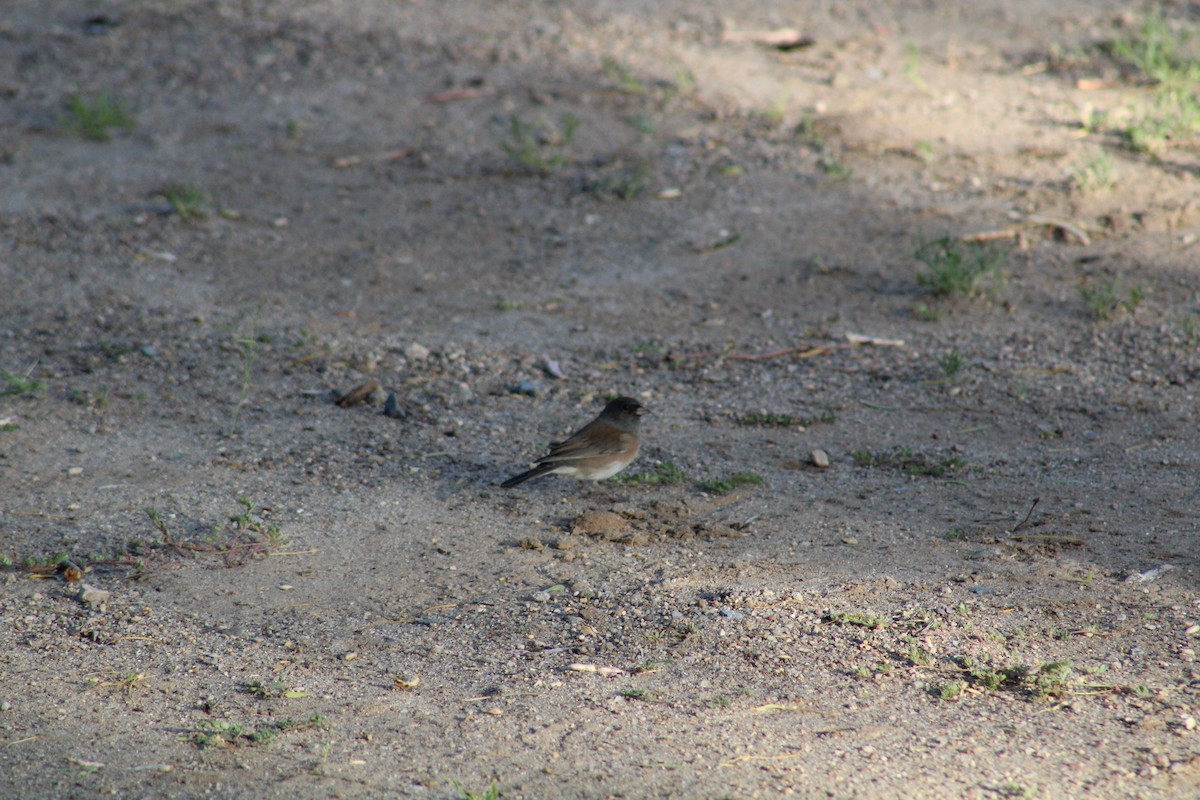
column 767, row 419
column 539, row 150
column 93, row 119
column 19, row 384
column 834, row 168
column 926, row 312
column 1053, row 678
column 211, row 733
column 1174, row 118
column 919, row 656
column 951, row 363
column 665, row 474
column 247, row 351
column 955, row 267
column 1104, row 300
column 247, row 520
column 491, row 793
column 1156, row 52
column 726, row 485
column 186, row 202
column 622, row 183
column 1190, row 325
column 912, row 69
column 858, row 619
column 622, row 76
column 952, row 690
column 904, row 459
column 1098, row 173
column 160, row 524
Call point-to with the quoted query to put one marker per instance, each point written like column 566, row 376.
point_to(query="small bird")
column 598, row 450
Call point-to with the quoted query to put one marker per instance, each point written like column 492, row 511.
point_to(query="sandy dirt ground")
column 888, row 537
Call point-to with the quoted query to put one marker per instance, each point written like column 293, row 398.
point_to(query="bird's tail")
column 538, row 471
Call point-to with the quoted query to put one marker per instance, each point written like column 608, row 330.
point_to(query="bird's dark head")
column 626, row 407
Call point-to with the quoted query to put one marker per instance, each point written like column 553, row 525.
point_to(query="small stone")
column 553, row 369
column 75, row 470
column 820, row 459
column 92, row 596
column 528, row 388
column 416, row 352
column 540, row 597
column 392, row 407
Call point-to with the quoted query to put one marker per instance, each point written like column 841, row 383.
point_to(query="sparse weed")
column 1157, row 53
column 622, row 76
column 19, row 384
column 1104, row 300
column 832, row 165
column 767, row 419
column 156, row 518
column 956, row 267
column 951, row 363
column 665, row 474
column 247, row 350
column 724, row 486
column 912, row 69
column 926, row 312
column 539, row 150
column 952, row 690
column 247, row 520
column 491, row 793
column 622, row 183
column 904, row 459
column 93, row 119
column 186, row 202
column 1097, row 174
column 211, row 733
column 919, row 656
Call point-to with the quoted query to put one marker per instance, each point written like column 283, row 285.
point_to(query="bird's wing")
column 582, row 446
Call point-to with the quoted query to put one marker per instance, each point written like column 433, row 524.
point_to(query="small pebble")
column 820, row 459
column 541, row 597
column 525, row 387
column 416, row 352
column 75, row 470
column 552, row 369
column 92, row 596
column 392, row 407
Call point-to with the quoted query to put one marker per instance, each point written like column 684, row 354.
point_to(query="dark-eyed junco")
column 598, row 450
